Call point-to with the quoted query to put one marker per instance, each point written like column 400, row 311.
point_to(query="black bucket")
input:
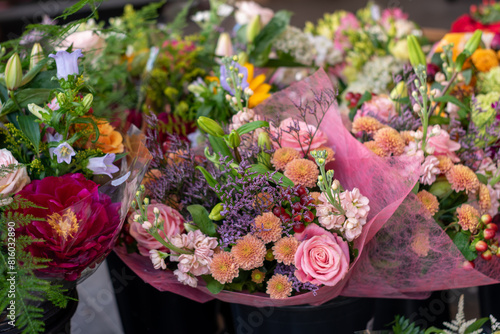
column 57, row 320
column 341, row 315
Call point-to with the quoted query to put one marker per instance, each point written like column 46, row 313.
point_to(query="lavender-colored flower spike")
column 225, row 75
column 64, row 152
column 103, row 165
column 67, row 63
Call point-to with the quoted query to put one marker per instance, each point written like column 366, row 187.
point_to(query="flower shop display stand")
column 340, row 315
column 57, row 320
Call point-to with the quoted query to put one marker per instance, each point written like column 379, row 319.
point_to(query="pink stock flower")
column 381, row 106
column 443, row 145
column 173, row 224
column 186, row 278
column 300, row 137
column 328, row 216
column 12, row 182
column 322, row 257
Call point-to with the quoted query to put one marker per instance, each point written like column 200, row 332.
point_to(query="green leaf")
column 29, row 126
column 33, row 72
column 91, row 122
column 270, row 32
column 433, row 329
column 476, row 325
column 482, row 178
column 434, row 119
column 415, row 188
column 210, row 179
column 246, row 128
column 219, row 146
column 200, row 219
column 261, row 170
column 26, row 96
column 452, row 99
column 212, row 285
column 461, row 240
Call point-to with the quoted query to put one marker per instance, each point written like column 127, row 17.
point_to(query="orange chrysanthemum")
column 249, row 252
column 372, row 146
column 429, row 201
column 366, row 124
column 484, row 198
column 407, row 137
column 420, row 244
column 462, row 178
column 258, row 276
column 284, row 250
column 302, row 172
column 484, row 59
column 330, row 154
column 264, row 201
column 390, row 141
column 445, row 163
column 268, row 227
column 468, row 217
column 315, row 195
column 278, row 287
column 224, row 267
column 282, row 156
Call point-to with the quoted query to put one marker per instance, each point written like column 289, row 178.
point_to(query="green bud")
column 215, row 213
column 233, row 140
column 242, row 58
column 210, row 126
column 36, row 55
column 253, row 28
column 87, row 101
column 13, row 72
column 440, row 188
column 61, row 98
column 417, row 56
column 473, row 42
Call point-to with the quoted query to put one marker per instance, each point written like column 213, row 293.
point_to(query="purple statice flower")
column 103, row 165
column 64, row 152
column 296, row 284
column 225, row 76
column 407, row 121
column 67, row 63
column 238, row 190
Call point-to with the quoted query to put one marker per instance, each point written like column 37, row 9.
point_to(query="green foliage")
column 405, row 326
column 201, row 219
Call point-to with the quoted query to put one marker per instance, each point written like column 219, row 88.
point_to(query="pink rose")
column 247, row 10
column 289, row 138
column 322, row 257
column 173, row 224
column 443, row 145
column 15, row 181
column 380, row 105
column 87, row 41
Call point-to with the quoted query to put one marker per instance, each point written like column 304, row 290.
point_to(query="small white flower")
column 147, row 225
column 224, row 10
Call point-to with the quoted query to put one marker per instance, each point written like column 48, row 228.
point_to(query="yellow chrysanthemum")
column 484, row 59
column 258, row 86
column 258, row 276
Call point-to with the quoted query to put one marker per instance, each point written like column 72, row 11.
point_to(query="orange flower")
column 258, row 86
column 484, row 59
column 109, row 141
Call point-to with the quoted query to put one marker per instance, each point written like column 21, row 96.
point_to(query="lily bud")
column 473, row 42
column 13, row 72
column 253, row 28
column 38, row 111
column 416, row 54
column 36, row 55
column 210, row 126
column 234, row 139
column 224, row 45
column 215, row 213
column 242, row 58
column 87, row 101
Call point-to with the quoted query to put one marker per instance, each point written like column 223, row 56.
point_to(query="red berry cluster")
column 297, row 208
column 352, row 99
column 489, row 246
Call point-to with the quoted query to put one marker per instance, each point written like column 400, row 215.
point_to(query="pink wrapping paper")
column 391, row 263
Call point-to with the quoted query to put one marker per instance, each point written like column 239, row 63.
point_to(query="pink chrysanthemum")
column 282, row 156
column 468, row 218
column 390, row 141
column 484, row 198
column 445, row 163
column 462, row 178
column 278, row 287
column 284, row 250
column 366, row 124
column 330, row 154
column 268, row 227
column 258, row 276
column 302, row 172
column 372, row 146
column 224, row 267
column 249, row 252
column 429, row 201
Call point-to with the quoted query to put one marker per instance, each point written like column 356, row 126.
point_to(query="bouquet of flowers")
column 274, row 213
column 67, row 178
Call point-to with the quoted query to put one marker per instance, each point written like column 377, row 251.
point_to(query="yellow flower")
column 484, row 59
column 258, row 86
